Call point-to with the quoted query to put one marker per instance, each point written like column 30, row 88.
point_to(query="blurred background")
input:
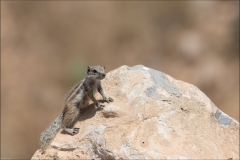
column 47, row 45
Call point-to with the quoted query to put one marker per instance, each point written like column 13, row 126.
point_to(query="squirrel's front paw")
column 108, row 100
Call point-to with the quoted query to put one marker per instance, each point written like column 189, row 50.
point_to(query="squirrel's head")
column 96, row 72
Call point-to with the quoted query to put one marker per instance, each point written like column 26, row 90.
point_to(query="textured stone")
column 153, row 116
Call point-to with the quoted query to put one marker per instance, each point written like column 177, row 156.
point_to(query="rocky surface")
column 153, row 116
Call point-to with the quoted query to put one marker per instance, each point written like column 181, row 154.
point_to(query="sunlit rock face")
column 153, row 116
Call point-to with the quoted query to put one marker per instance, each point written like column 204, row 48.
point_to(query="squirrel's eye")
column 94, row 71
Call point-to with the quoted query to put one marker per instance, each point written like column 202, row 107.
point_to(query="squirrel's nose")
column 104, row 74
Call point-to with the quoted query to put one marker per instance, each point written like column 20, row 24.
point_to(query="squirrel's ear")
column 104, row 67
column 88, row 69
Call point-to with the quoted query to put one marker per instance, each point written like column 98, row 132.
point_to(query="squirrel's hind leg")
column 70, row 117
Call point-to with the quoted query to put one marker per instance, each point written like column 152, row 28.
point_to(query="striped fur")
column 76, row 99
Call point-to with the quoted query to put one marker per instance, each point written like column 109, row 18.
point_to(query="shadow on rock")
column 89, row 111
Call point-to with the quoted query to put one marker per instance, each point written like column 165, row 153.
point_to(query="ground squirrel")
column 77, row 99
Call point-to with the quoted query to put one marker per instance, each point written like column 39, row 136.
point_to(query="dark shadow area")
column 86, row 113
column 89, row 111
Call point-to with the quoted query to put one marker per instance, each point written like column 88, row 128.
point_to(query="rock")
column 153, row 116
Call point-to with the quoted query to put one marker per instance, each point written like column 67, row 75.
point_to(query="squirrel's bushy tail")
column 48, row 135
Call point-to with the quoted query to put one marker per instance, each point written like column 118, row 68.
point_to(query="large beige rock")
column 153, row 116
